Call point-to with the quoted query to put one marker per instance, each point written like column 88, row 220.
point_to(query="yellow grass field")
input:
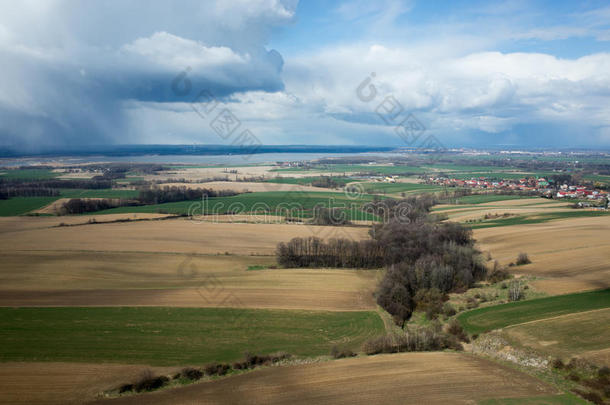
column 169, row 263
column 118, row 278
column 571, row 255
column 174, row 236
column 406, row 378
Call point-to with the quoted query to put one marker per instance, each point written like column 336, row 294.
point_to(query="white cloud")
column 176, row 53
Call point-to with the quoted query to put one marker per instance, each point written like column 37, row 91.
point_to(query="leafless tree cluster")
column 314, row 252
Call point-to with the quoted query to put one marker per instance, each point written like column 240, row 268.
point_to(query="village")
column 541, row 185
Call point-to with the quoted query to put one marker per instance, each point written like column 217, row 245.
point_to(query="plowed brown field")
column 572, row 254
column 406, row 378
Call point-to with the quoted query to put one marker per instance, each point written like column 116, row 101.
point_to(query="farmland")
column 500, row 316
column 21, row 205
column 293, row 203
column 110, row 292
column 581, row 334
column 431, row 378
column 567, row 255
column 174, row 336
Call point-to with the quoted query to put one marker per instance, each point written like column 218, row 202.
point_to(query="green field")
column 23, row 205
column 101, row 193
column 29, row 174
column 565, row 399
column 486, row 198
column 175, row 336
column 298, row 204
column 307, row 180
column 500, row 316
column 391, row 188
column 537, row 218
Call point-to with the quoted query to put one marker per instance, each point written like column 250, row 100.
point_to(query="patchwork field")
column 79, row 301
column 570, row 255
column 406, row 378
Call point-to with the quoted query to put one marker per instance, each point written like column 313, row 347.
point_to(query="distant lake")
column 189, row 159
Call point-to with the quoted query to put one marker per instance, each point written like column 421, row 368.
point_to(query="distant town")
column 545, row 187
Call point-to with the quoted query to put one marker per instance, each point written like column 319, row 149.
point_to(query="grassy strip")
column 175, row 336
column 499, row 316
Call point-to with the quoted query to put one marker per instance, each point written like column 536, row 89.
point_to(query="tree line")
column 9, row 192
column 160, row 195
column 52, row 183
column 314, row 252
column 149, row 196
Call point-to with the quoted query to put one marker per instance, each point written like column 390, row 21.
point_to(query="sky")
column 354, row 72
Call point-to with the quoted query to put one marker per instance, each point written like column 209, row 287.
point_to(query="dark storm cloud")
column 68, row 67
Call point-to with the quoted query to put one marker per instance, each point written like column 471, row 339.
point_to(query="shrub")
column 413, row 340
column 448, row 309
column 591, row 396
column 515, row 291
column 329, row 216
column 498, row 273
column 254, row 360
column 471, row 303
column 523, row 259
column 125, row 388
column 337, row 353
column 381, row 344
column 604, row 371
column 191, row 373
column 557, row 364
column 216, row 369
column 151, row 383
column 454, row 328
column 573, row 377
